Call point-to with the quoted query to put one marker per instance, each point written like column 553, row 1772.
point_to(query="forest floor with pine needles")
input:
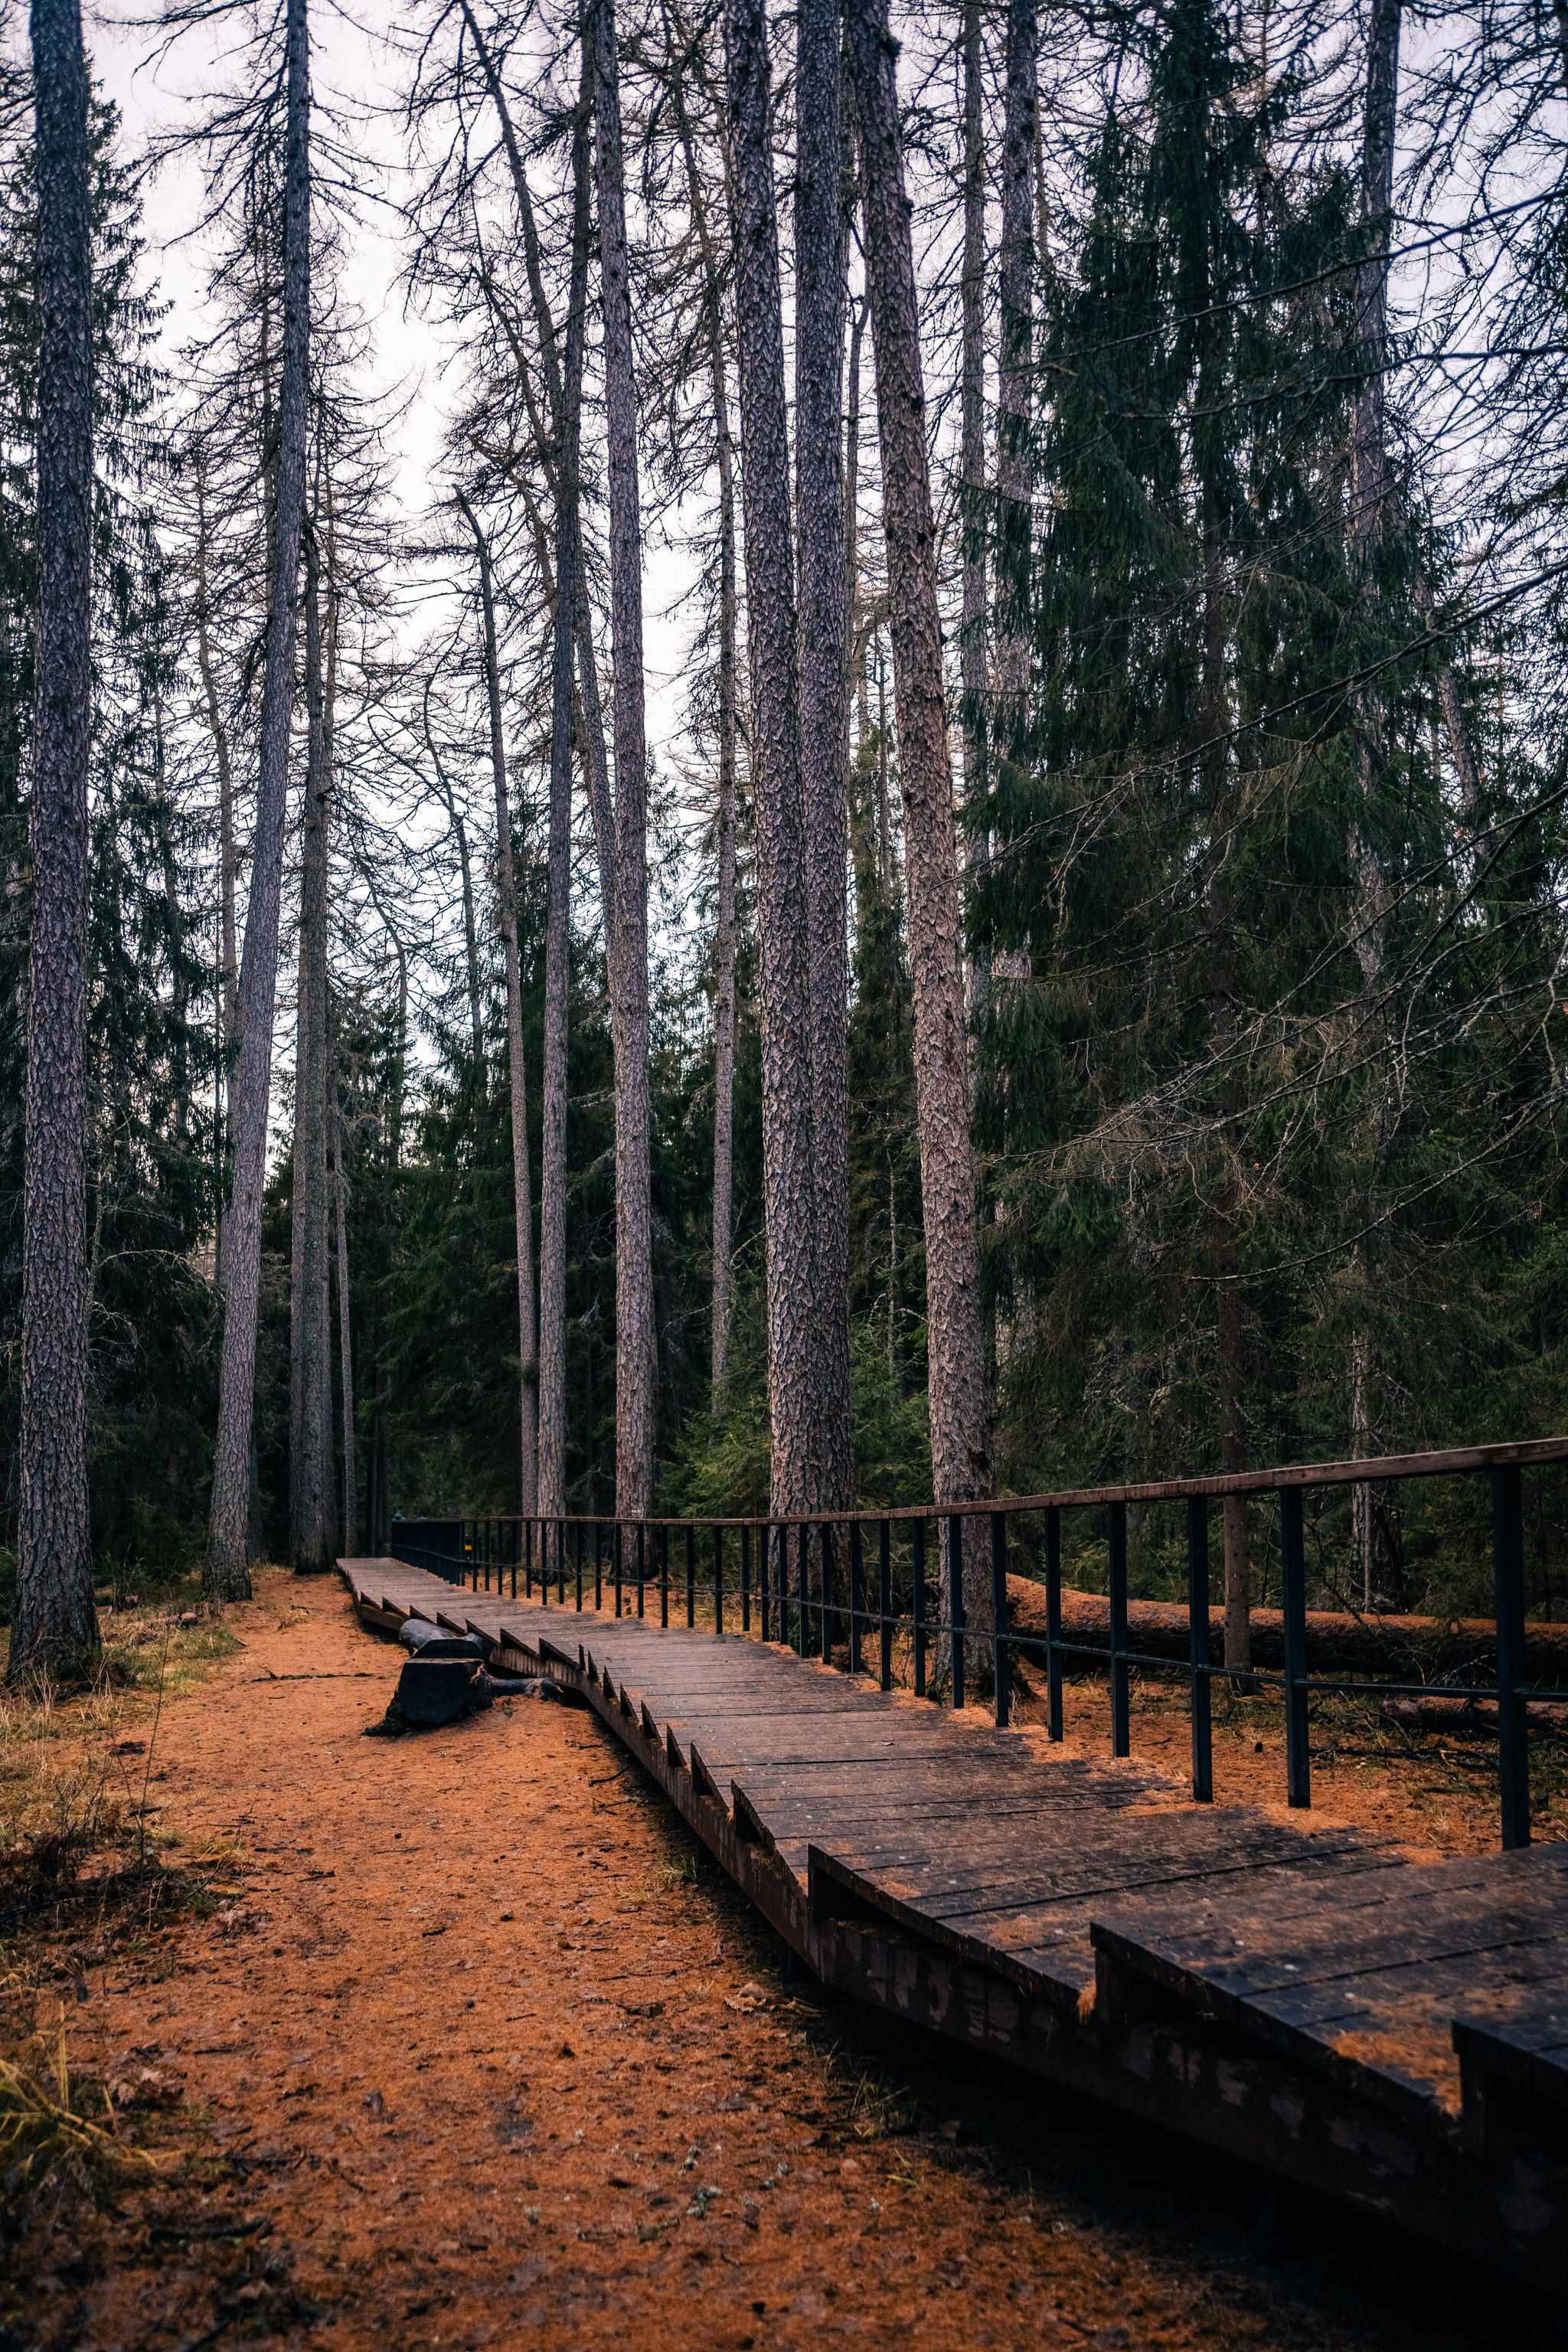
column 329, row 2042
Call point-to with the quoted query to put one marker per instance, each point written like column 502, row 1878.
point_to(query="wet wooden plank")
column 1365, row 1984
column 1520, row 2035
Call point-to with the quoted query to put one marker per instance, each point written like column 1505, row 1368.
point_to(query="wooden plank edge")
column 1194, row 2078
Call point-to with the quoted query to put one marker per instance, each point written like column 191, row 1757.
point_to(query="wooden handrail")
column 1516, row 1454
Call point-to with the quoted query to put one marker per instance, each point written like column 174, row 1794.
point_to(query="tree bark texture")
column 225, row 1562
column 310, row 1348
column 819, row 252
column 552, row 1494
column 636, row 1387
column 54, row 1626
column 789, row 1194
column 960, row 1431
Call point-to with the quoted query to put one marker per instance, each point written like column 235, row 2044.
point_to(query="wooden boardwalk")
column 1391, row 2033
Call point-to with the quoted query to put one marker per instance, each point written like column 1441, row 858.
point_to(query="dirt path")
column 483, row 2051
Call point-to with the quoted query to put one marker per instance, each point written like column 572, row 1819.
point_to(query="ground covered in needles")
column 328, row 2041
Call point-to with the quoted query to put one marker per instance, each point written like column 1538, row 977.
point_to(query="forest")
column 861, row 798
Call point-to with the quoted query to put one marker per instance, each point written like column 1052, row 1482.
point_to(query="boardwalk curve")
column 1391, row 2033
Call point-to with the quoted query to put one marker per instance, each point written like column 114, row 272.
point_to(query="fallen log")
column 1468, row 1718
column 1393, row 1649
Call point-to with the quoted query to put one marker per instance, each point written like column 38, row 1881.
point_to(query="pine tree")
column 227, row 1571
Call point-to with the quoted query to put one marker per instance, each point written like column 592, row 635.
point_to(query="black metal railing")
column 814, row 1584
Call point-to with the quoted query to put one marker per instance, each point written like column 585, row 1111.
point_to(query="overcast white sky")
column 153, row 95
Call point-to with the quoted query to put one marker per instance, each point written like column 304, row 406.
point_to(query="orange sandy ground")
column 484, row 2054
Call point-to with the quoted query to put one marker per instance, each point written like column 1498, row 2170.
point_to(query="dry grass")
column 48, row 2136
column 84, row 1872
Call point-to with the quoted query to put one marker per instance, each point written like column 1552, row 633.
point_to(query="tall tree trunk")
column 1014, row 372
column 328, row 1061
column 724, row 933
column 592, row 728
column 971, row 467
column 1373, row 511
column 228, row 857
column 309, row 1356
column 1369, row 452
column 346, row 1339
column 1230, row 1327
column 789, row 1198
column 517, row 1068
column 54, row 1626
column 465, row 878
column 558, row 932
column 226, row 1561
column 959, row 1429
column 819, row 252
column 380, row 1514
column 636, row 1388
column 858, row 632
column 179, row 986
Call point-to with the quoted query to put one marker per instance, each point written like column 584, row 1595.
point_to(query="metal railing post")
column 642, row 1563
column 663, row 1577
column 578, row 1540
column 764, row 1580
column 528, row 1559
column 885, row 1602
column 1294, row 1612
column 918, row 1602
column 598, row 1565
column 803, row 1596
column 718, row 1583
column 1120, row 1711
column 1513, row 1727
column 1053, row 1622
column 690, row 1575
column 745, row 1577
column 616, row 1563
column 824, row 1550
column 857, row 1594
column 1198, row 1648
column 1293, row 1602
column 999, row 1615
column 957, row 1618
